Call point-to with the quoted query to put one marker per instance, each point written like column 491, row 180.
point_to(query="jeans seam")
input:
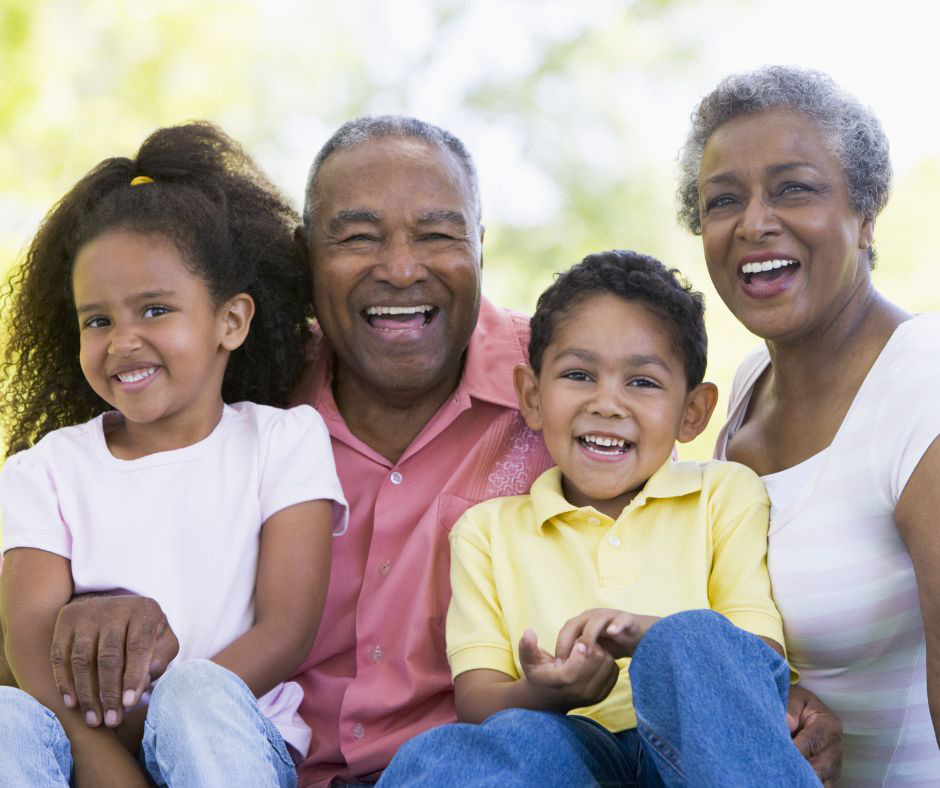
column 662, row 748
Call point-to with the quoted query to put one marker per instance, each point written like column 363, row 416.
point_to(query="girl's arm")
column 919, row 525
column 293, row 575
column 34, row 585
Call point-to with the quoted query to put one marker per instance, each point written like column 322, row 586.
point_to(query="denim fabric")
column 710, row 699
column 203, row 728
column 34, row 750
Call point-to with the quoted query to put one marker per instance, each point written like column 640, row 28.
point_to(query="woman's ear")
column 235, row 317
column 699, row 404
column 527, row 392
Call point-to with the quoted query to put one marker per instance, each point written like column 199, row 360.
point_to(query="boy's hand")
column 615, row 631
column 583, row 678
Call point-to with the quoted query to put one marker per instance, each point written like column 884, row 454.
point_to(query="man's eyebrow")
column 443, row 217
column 353, row 216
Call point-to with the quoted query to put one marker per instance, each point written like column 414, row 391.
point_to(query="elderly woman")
column 783, row 175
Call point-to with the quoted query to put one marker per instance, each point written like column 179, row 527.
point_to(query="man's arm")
column 33, row 587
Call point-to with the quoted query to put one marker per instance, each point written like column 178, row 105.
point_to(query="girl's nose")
column 123, row 342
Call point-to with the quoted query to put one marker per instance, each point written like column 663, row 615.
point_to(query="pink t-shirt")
column 178, row 526
column 378, row 672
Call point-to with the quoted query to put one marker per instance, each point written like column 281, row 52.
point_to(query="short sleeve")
column 298, row 466
column 30, row 506
column 477, row 637
column 908, row 412
column 739, row 582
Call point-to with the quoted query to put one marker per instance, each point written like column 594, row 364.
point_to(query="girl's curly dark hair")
column 231, row 226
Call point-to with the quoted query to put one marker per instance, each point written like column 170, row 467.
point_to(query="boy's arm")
column 293, row 576
column 33, row 587
column 586, row 677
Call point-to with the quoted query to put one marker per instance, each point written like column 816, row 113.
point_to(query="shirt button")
column 358, row 731
column 384, row 567
column 594, row 521
column 377, row 654
column 614, row 541
column 395, row 477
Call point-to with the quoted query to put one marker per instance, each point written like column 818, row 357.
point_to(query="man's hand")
column 584, row 678
column 106, row 651
column 615, row 631
column 817, row 733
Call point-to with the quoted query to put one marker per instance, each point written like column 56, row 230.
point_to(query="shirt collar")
column 672, row 480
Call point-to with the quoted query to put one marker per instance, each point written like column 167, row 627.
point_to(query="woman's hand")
column 106, row 650
column 816, row 732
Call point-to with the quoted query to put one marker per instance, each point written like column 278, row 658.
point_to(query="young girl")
column 129, row 320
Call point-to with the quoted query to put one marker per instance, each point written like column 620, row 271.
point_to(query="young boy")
column 615, row 538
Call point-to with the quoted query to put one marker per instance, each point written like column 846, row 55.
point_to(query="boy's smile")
column 611, row 399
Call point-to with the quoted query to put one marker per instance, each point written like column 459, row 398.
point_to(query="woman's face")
column 773, row 196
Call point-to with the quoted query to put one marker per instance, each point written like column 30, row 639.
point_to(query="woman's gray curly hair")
column 851, row 130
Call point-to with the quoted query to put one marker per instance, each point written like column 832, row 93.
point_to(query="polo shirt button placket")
column 613, row 540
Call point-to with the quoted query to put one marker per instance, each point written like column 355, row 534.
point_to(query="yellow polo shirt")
column 694, row 537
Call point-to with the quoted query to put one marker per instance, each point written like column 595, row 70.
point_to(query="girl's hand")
column 585, row 677
column 615, row 631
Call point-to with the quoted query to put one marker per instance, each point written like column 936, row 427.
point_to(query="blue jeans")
column 710, row 701
column 203, row 728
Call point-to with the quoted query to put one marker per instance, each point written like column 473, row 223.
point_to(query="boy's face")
column 611, row 400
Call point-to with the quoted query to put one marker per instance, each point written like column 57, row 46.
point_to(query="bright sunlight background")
column 574, row 111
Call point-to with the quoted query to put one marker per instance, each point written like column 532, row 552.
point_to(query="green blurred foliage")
column 563, row 101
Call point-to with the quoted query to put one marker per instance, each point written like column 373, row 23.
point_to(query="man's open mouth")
column 391, row 318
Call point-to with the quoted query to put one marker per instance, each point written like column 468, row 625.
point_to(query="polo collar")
column 672, row 480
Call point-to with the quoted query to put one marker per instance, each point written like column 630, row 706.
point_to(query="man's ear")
column 527, row 392
column 235, row 316
column 699, row 404
column 866, row 234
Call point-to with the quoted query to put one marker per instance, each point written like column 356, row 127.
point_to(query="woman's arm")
column 293, row 576
column 918, row 519
column 33, row 587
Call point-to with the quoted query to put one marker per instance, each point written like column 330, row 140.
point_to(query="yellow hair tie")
column 141, row 179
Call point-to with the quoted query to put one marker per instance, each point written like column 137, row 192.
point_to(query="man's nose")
column 402, row 263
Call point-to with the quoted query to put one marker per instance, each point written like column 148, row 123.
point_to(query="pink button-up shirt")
column 378, row 673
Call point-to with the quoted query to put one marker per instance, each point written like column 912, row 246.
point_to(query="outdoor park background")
column 574, row 111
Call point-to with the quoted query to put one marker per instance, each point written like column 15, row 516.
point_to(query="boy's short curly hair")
column 232, row 228
column 637, row 278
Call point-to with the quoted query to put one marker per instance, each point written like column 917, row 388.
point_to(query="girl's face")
column 153, row 343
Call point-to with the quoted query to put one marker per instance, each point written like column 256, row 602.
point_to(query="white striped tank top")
column 841, row 575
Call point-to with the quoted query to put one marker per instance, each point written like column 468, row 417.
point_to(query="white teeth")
column 398, row 310
column 137, row 374
column 766, row 265
column 603, row 440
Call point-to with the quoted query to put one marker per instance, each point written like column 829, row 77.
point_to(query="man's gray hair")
column 370, row 127
column 850, row 130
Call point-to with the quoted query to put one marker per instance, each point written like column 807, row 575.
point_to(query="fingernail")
column 91, row 718
column 110, row 718
column 582, row 648
column 68, row 701
column 128, row 698
column 558, row 662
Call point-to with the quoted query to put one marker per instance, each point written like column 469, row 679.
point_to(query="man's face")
column 395, row 252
